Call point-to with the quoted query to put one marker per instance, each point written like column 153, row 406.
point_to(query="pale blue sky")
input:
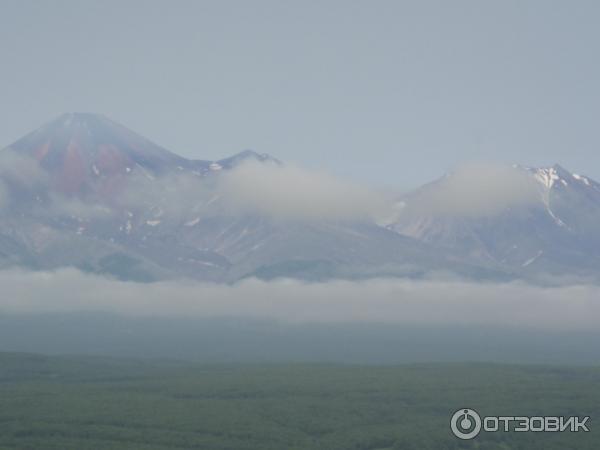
column 383, row 92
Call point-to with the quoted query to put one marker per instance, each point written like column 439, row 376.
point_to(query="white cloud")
column 476, row 190
column 290, row 192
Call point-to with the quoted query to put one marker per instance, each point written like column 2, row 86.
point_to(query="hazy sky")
column 385, row 92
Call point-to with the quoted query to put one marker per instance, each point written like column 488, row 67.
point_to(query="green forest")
column 99, row 403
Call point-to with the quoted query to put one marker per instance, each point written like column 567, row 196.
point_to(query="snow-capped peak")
column 551, row 176
column 546, row 176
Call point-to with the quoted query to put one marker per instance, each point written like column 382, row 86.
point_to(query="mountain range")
column 86, row 192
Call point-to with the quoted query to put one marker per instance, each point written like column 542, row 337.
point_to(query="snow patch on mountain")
column 193, row 222
column 584, row 180
column 547, row 176
column 533, row 259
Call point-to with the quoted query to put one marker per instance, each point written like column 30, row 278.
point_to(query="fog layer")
column 572, row 307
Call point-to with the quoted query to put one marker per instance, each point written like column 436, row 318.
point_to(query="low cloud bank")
column 574, row 307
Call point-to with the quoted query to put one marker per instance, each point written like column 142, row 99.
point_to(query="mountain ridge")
column 84, row 191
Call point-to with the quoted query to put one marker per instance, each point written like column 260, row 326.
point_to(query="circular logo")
column 465, row 424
